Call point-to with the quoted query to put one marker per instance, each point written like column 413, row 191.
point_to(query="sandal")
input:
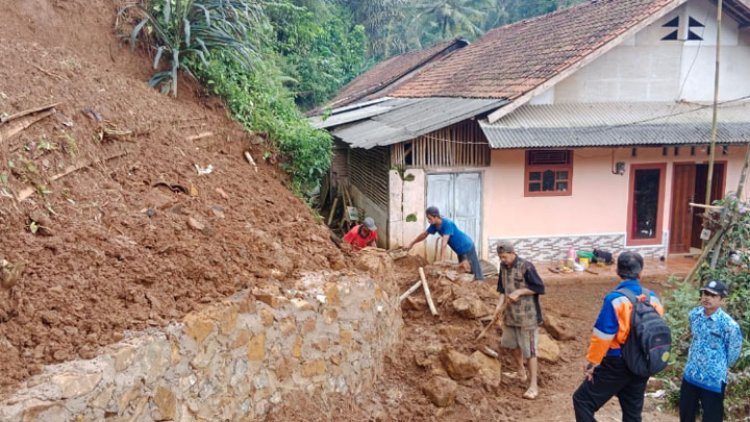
column 531, row 394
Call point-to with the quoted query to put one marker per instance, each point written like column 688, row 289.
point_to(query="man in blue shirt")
column 716, row 345
column 453, row 237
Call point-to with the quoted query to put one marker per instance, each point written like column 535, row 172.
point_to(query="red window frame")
column 657, row 239
column 533, row 168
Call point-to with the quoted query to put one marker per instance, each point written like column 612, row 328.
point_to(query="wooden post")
column 427, row 292
column 704, row 254
column 743, row 175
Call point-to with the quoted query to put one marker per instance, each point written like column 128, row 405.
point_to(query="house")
column 587, row 127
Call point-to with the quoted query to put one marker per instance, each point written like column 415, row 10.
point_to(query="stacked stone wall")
column 229, row 361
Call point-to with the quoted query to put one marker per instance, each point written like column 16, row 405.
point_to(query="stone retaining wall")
column 230, row 361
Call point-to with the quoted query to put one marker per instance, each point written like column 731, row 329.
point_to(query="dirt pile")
column 124, row 227
column 418, row 385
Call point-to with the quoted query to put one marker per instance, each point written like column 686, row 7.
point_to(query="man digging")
column 521, row 285
column 453, row 237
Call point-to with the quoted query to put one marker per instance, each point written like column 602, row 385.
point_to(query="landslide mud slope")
column 134, row 237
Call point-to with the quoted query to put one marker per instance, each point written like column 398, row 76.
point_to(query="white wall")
column 645, row 68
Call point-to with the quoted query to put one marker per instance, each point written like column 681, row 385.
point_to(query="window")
column 646, row 202
column 549, row 172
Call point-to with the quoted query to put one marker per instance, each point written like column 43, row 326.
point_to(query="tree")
column 443, row 19
column 381, row 20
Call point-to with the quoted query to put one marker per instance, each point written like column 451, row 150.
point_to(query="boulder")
column 458, row 365
column 465, row 278
column 556, row 328
column 548, row 350
column 441, row 391
column 490, row 369
column 375, row 262
column 470, row 307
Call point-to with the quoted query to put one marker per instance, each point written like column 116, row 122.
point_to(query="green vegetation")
column 185, row 29
column 258, row 100
column 395, row 26
column 269, row 59
column 732, row 268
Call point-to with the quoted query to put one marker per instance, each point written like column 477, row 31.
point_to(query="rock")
column 415, row 303
column 464, row 266
column 336, row 262
column 269, row 298
column 75, row 385
column 548, row 349
column 451, row 275
column 490, row 369
column 42, row 223
column 470, row 307
column 195, row 224
column 10, row 273
column 221, row 193
column 556, row 329
column 302, row 305
column 256, row 348
column 441, row 391
column 465, row 278
column 198, row 326
column 458, row 365
column 166, row 402
column 217, row 211
column 378, row 264
column 313, row 368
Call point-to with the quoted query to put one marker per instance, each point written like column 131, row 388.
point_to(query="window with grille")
column 549, row 173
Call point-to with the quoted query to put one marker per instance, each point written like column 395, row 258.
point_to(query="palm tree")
column 448, row 18
column 379, row 18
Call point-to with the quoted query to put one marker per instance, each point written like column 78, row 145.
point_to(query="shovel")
column 495, row 318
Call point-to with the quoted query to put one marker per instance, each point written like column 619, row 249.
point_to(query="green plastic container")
column 585, row 254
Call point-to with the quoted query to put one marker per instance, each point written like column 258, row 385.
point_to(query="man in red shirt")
column 363, row 235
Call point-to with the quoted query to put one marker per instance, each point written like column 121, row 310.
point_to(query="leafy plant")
column 185, row 29
column 731, row 267
column 258, row 99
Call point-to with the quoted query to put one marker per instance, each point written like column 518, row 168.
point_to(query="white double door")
column 458, row 196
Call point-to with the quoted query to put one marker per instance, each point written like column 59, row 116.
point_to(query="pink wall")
column 599, row 201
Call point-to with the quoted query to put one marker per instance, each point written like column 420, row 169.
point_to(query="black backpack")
column 646, row 351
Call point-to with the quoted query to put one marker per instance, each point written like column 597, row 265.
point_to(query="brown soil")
column 398, row 396
column 114, row 252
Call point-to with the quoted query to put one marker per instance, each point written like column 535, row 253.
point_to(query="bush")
column 192, row 29
column 260, row 102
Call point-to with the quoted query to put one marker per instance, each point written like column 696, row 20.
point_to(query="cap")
column 629, row 265
column 716, row 287
column 370, row 224
column 504, row 246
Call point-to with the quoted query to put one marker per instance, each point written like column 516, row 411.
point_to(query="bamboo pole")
column 704, row 254
column 411, row 290
column 427, row 294
column 714, row 121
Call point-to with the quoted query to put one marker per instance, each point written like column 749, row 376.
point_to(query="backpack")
column 646, row 350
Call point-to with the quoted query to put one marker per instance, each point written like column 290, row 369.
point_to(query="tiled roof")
column 514, row 59
column 389, row 71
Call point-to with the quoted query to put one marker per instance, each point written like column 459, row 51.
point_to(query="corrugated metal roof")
column 617, row 124
column 417, row 117
column 361, row 111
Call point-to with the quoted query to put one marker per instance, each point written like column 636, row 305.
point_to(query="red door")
column 683, row 193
